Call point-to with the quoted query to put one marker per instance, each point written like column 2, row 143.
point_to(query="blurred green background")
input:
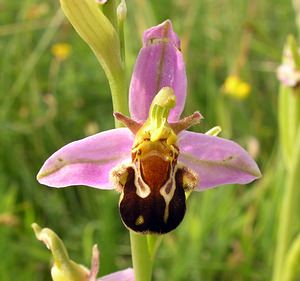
column 46, row 101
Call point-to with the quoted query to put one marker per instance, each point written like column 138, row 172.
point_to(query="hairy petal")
column 217, row 161
column 159, row 64
column 122, row 275
column 87, row 161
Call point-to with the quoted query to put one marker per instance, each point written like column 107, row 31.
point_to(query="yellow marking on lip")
column 168, row 196
column 139, row 220
column 142, row 189
column 121, row 197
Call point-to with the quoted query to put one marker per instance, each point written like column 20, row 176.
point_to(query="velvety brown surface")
column 152, row 208
column 155, row 171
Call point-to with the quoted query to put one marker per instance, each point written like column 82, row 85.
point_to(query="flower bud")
column 288, row 72
column 64, row 269
column 97, row 31
column 122, row 11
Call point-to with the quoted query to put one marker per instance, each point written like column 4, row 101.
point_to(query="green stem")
column 284, row 125
column 122, row 41
column 141, row 258
column 285, row 227
column 118, row 89
column 292, row 262
column 153, row 244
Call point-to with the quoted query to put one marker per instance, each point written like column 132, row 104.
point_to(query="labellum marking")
column 139, row 220
column 167, row 192
column 152, row 208
column 163, row 207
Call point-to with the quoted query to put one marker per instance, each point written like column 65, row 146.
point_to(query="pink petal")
column 87, row 161
column 163, row 30
column 159, row 64
column 123, row 275
column 217, row 161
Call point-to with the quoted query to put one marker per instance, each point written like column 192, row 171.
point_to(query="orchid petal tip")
column 197, row 115
column 36, row 228
column 257, row 173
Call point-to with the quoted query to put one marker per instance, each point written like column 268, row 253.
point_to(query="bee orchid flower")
column 155, row 160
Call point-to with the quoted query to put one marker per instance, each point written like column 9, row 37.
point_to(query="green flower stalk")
column 292, row 261
column 289, row 131
column 289, row 98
